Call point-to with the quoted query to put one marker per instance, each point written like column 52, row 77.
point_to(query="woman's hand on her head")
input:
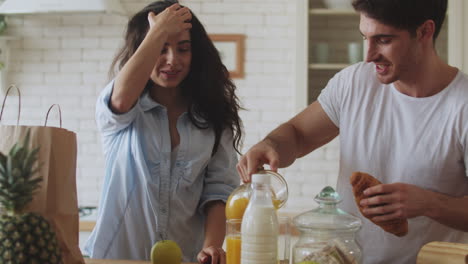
column 212, row 255
column 260, row 154
column 173, row 19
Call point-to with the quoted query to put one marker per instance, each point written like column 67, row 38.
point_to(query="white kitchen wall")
column 64, row 59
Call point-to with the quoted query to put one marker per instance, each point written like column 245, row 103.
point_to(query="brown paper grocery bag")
column 56, row 200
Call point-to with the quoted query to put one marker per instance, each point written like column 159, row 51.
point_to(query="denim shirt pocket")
column 184, row 171
column 154, row 171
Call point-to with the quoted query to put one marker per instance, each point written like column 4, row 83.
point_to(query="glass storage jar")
column 327, row 233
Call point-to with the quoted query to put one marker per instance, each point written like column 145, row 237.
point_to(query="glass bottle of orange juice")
column 239, row 198
column 236, row 205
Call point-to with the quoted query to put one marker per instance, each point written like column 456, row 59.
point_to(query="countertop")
column 432, row 253
column 87, row 224
column 108, row 261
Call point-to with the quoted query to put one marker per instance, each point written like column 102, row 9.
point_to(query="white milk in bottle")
column 259, row 233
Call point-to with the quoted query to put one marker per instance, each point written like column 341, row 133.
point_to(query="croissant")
column 361, row 181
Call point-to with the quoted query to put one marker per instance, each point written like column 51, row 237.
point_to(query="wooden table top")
column 110, row 261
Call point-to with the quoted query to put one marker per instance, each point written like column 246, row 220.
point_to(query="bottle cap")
column 261, row 178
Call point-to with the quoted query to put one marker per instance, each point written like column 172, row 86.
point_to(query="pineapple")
column 24, row 237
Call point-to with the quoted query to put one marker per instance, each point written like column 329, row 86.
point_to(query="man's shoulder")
column 360, row 72
column 459, row 84
column 360, row 67
column 359, row 76
column 462, row 77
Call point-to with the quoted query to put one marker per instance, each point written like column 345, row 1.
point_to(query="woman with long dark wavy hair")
column 170, row 130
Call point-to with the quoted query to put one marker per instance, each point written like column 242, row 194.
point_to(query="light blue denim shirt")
column 142, row 199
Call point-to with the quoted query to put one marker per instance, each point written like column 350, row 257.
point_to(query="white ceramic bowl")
column 338, row 4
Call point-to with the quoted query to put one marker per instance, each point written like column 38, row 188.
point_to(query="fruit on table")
column 166, row 252
column 24, row 237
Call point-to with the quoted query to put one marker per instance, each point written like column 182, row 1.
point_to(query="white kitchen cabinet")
column 335, row 28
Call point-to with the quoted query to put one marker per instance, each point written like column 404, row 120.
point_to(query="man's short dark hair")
column 404, row 14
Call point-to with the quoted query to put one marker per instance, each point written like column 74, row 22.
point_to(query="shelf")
column 331, row 12
column 328, row 66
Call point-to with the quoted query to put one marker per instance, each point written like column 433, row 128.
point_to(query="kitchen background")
column 64, row 59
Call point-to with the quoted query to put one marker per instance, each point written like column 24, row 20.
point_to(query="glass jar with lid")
column 327, row 233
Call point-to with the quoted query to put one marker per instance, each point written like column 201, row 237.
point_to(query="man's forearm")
column 307, row 131
column 284, row 140
column 449, row 211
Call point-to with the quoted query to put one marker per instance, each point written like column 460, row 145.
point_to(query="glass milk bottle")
column 259, row 231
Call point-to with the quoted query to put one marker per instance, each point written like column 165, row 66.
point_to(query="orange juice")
column 235, row 206
column 233, row 249
column 276, row 203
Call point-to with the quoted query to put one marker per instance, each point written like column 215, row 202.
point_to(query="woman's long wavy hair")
column 208, row 88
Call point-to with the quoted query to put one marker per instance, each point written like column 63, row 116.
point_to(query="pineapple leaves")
column 8, row 170
column 14, row 150
column 29, row 162
column 17, row 184
column 3, row 159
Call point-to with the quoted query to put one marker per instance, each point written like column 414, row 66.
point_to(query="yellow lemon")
column 166, row 252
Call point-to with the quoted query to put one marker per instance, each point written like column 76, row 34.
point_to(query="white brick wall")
column 64, row 59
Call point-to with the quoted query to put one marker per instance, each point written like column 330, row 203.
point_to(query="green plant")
column 3, row 24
